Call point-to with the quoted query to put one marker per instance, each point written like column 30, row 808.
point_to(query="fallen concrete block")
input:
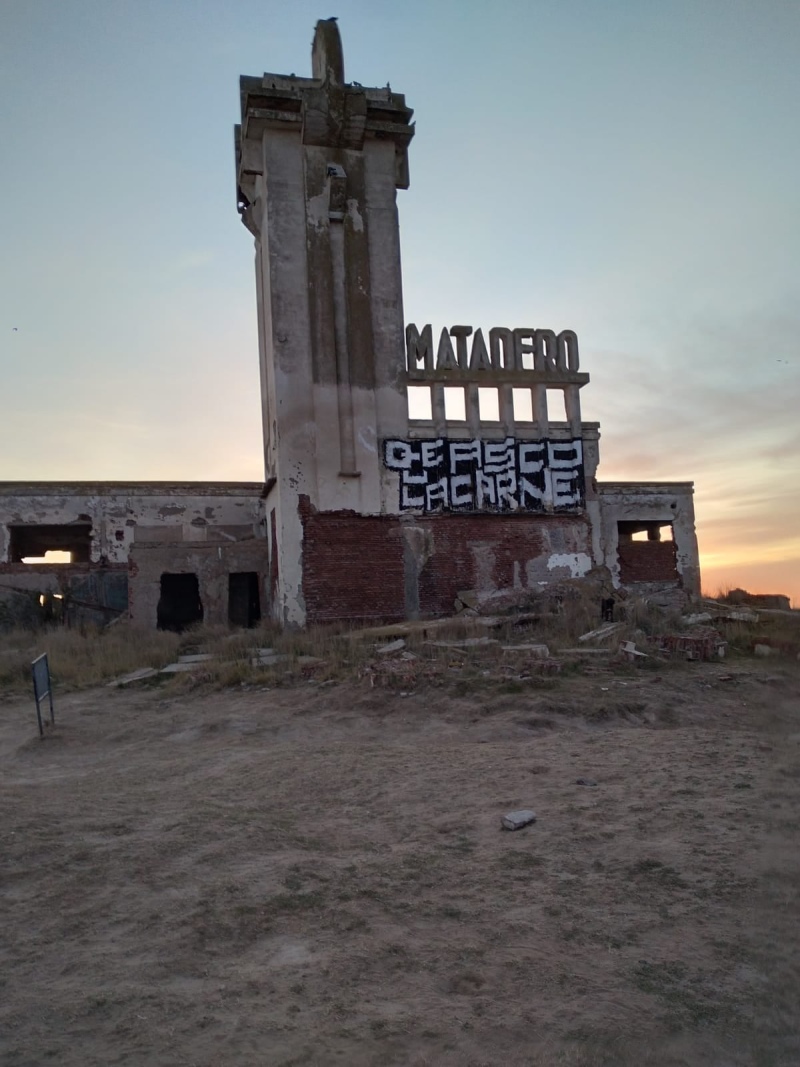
column 537, row 651
column 393, row 646
column 179, row 668
column 630, row 651
column 515, row 820
column 764, row 650
column 199, row 657
column 697, row 620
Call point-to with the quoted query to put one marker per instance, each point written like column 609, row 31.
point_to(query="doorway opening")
column 179, row 605
column 244, row 602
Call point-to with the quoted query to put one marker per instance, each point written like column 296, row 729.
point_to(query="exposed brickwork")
column 494, row 551
column 353, row 565
column 647, row 561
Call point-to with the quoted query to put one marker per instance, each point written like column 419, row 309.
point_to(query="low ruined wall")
column 384, row 568
column 211, row 563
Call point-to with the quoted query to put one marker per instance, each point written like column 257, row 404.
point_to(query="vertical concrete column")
column 347, row 448
column 437, row 407
column 506, row 405
column 540, row 416
column 572, row 404
column 473, row 410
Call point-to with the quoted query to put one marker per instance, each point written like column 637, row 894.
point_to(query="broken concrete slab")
column 134, row 676
column 198, row 657
column 699, row 619
column 179, row 668
column 536, row 650
column 601, row 633
column 515, row 820
column 467, row 642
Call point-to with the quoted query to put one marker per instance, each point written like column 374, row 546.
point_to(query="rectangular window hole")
column 631, row 530
column 489, row 404
column 523, row 405
column 67, row 543
column 419, row 403
column 455, row 408
column 556, row 406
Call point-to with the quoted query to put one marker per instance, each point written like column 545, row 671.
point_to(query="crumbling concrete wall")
column 626, row 506
column 212, row 563
column 122, row 518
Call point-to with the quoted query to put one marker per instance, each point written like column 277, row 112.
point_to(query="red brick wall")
column 647, row 561
column 353, row 565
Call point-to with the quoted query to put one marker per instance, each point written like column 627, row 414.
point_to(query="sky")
column 626, row 169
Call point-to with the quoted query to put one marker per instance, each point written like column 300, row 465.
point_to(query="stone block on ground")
column 393, row 646
column 515, row 820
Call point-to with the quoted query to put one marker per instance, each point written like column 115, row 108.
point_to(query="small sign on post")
column 42, row 688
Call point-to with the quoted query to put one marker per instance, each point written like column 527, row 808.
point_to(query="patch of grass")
column 657, row 873
column 686, row 997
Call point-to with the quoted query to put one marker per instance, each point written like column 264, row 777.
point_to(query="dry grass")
column 82, row 658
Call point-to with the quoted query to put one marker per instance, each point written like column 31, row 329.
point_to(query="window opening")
column 523, row 405
column 556, row 406
column 455, row 408
column 50, row 543
column 631, row 530
column 488, row 404
column 419, row 403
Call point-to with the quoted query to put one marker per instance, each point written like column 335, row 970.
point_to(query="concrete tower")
column 319, row 162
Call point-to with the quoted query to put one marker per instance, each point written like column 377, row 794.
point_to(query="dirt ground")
column 316, row 875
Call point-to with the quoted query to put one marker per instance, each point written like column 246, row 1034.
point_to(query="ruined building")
column 402, row 463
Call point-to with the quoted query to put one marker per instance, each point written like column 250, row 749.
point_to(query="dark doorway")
column 180, row 604
column 244, row 603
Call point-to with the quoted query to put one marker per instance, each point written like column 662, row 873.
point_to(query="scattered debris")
column 515, row 820
column 705, row 644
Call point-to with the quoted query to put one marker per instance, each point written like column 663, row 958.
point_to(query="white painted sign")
column 463, row 349
column 444, row 474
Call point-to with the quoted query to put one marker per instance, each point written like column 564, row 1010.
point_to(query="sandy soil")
column 316, row 875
